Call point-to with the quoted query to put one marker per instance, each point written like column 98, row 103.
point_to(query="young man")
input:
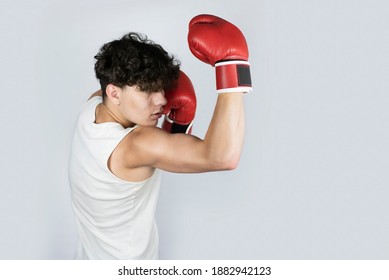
column 117, row 150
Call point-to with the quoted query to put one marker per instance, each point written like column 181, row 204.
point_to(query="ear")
column 113, row 93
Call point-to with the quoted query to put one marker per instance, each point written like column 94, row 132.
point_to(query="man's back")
column 115, row 218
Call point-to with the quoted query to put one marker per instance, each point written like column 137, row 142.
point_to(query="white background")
column 313, row 181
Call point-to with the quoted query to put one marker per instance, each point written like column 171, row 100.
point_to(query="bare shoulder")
column 143, row 135
column 156, row 139
column 138, row 145
column 130, row 160
column 147, row 133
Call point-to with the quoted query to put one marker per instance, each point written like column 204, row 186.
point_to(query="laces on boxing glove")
column 173, row 127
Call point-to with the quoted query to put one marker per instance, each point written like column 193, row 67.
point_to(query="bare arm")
column 225, row 134
column 220, row 149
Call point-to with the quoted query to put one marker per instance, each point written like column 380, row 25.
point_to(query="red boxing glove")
column 219, row 43
column 180, row 108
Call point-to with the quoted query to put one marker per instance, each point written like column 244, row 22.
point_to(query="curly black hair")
column 136, row 60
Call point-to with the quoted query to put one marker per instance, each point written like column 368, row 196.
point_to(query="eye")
column 162, row 92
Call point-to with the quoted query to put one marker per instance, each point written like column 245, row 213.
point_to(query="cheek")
column 136, row 109
column 138, row 102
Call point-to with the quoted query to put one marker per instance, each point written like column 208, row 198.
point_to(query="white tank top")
column 115, row 218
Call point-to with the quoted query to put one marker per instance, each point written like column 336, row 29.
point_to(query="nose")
column 159, row 98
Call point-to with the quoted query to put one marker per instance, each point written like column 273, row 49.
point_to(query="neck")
column 105, row 114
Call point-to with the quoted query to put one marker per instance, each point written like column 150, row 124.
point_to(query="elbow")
column 230, row 166
column 226, row 164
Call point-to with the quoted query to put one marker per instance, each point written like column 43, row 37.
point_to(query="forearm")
column 221, row 44
column 225, row 135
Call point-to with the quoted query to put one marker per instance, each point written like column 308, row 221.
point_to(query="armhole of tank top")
column 129, row 130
